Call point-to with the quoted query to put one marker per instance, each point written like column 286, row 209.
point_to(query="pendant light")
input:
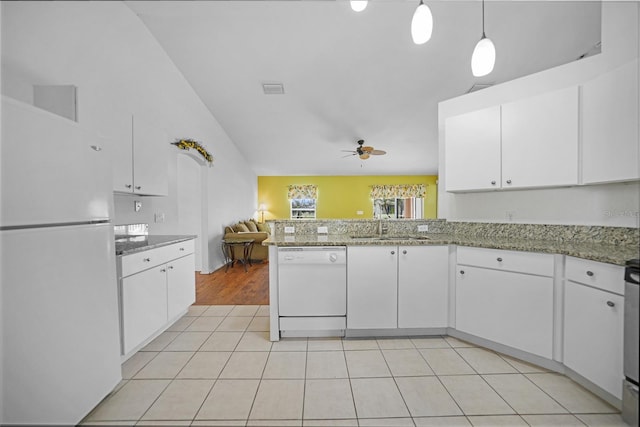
column 484, row 54
column 358, row 5
column 421, row 24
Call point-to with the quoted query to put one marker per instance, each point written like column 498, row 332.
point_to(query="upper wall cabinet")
column 610, row 126
column 141, row 165
column 532, row 142
column 473, row 150
column 540, row 140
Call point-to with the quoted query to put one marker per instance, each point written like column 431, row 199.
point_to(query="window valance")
column 400, row 191
column 302, row 192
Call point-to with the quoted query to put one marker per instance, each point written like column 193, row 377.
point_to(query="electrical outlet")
column 359, row 212
column 423, row 228
column 323, row 230
column 289, row 230
column 159, row 217
column 137, row 205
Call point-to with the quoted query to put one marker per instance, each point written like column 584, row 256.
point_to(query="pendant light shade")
column 484, row 54
column 484, row 57
column 421, row 24
column 359, row 5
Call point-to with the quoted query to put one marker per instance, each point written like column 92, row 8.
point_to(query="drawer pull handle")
column 182, row 249
column 146, row 259
column 404, row 252
column 611, row 303
column 499, row 259
column 461, row 271
column 590, row 273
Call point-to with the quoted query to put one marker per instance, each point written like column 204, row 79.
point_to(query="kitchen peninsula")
column 502, row 286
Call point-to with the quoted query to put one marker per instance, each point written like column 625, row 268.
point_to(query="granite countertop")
column 602, row 252
column 126, row 245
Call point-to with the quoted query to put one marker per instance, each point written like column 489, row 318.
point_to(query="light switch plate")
column 323, row 230
column 423, row 228
column 289, row 230
column 359, row 212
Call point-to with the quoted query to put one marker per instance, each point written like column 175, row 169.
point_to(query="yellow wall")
column 338, row 196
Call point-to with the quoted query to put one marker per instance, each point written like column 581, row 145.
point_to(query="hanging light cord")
column 483, row 35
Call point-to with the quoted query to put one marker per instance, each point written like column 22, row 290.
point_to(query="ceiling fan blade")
column 377, row 152
column 367, row 148
column 364, row 156
column 349, row 155
column 348, row 151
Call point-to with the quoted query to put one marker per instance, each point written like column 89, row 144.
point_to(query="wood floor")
column 234, row 287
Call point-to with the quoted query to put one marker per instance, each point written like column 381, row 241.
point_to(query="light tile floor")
column 216, row 367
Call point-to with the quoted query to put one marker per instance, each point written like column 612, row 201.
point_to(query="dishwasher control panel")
column 313, row 255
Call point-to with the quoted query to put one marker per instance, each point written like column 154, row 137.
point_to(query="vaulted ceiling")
column 349, row 75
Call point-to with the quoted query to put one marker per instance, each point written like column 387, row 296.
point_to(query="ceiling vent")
column 273, row 88
column 479, row 86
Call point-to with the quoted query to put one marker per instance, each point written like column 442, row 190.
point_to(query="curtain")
column 400, row 191
column 302, row 192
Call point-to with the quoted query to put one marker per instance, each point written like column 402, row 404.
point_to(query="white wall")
column 610, row 204
column 120, row 69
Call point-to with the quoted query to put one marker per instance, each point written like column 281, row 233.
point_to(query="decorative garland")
column 186, row 144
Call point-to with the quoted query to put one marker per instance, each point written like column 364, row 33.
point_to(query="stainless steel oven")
column 631, row 302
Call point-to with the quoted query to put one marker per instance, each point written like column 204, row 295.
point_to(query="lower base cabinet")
column 181, row 289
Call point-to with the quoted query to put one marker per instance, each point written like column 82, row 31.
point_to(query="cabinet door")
column 508, row 308
column 472, row 150
column 181, row 285
column 540, row 140
column 423, row 286
column 122, row 161
column 150, row 161
column 372, row 287
column 593, row 335
column 610, row 126
column 144, row 306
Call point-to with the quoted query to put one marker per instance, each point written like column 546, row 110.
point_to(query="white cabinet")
column 473, row 150
column 514, row 308
column 540, row 140
column 141, row 165
column 610, row 126
column 156, row 286
column 181, row 290
column 531, row 142
column 372, row 287
column 593, row 322
column 423, row 286
column 397, row 287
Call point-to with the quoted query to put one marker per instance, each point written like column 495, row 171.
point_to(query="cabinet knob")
column 96, row 147
column 404, row 252
column 493, row 183
column 393, row 252
column 508, row 181
column 171, row 267
column 163, row 270
column 146, row 259
column 461, row 271
column 611, row 303
column 181, row 249
column 590, row 273
column 128, row 185
column 499, row 259
column 138, row 187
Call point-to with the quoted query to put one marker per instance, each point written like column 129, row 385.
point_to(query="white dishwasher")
column 312, row 290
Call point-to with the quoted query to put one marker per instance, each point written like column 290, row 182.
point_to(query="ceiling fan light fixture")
column 421, row 24
column 359, row 5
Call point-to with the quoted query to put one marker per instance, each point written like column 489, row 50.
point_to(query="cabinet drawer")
column 140, row 261
column 181, row 249
column 521, row 262
column 600, row 275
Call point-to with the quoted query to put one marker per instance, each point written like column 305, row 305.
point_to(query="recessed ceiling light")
column 273, row 88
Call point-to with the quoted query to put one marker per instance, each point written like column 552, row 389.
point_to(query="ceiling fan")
column 364, row 151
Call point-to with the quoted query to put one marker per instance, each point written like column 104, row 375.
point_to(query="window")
column 398, row 201
column 303, row 201
column 303, row 208
column 394, row 208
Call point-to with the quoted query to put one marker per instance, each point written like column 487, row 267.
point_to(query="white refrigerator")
column 60, row 327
